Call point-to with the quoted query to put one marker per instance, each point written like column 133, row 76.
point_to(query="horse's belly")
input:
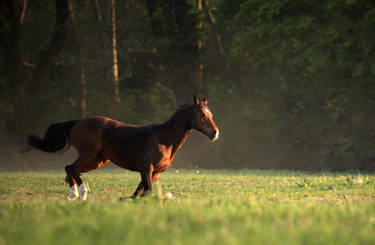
column 121, row 156
column 123, row 163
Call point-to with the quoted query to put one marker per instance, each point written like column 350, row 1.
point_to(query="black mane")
column 181, row 110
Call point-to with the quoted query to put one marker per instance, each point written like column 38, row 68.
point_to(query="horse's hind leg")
column 74, row 180
column 83, row 190
column 70, row 169
column 84, row 166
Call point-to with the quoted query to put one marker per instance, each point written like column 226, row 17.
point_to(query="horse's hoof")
column 82, row 198
column 125, row 199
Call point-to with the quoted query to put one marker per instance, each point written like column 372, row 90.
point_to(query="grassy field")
column 206, row 207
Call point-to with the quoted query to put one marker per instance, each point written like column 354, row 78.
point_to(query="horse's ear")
column 196, row 100
column 204, row 101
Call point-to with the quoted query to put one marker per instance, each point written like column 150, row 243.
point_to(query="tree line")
column 291, row 83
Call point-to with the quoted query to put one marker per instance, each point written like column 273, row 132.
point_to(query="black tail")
column 56, row 137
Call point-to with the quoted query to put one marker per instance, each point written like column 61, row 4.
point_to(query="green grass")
column 209, row 207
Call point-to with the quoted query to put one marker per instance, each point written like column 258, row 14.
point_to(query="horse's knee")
column 155, row 177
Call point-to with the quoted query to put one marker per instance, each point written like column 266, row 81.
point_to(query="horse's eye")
column 202, row 114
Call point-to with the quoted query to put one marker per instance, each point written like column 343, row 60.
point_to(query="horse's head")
column 201, row 119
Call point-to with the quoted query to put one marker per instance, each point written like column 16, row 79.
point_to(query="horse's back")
column 87, row 134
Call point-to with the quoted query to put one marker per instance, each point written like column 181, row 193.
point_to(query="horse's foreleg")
column 139, row 190
column 146, row 176
column 155, row 176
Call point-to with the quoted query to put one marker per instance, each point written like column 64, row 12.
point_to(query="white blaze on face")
column 216, row 135
column 208, row 112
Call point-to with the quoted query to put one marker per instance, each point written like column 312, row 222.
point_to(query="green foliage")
column 295, row 88
column 209, row 207
column 307, row 70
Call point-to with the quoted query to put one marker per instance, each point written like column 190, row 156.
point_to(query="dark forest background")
column 291, row 83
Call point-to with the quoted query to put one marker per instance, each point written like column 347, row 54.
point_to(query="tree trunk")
column 40, row 76
column 23, row 12
column 106, row 50
column 115, row 83
column 201, row 77
column 98, row 11
column 211, row 20
column 82, row 104
column 226, row 70
column 14, row 71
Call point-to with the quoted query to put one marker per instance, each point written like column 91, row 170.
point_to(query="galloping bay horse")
column 148, row 150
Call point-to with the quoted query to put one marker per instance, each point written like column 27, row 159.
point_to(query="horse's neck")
column 175, row 133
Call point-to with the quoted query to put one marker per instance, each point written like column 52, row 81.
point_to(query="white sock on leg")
column 73, row 192
column 82, row 192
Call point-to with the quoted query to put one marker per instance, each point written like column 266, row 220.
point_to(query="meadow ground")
column 206, row 207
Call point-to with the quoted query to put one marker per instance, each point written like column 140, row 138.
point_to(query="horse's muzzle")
column 214, row 134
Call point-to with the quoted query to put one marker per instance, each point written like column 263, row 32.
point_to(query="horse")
column 149, row 149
